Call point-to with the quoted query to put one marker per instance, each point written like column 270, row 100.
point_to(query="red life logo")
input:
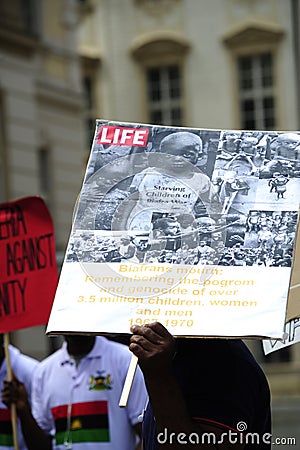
column 123, row 136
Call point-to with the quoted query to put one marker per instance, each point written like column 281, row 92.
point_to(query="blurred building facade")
column 191, row 62
column 42, row 143
column 196, row 63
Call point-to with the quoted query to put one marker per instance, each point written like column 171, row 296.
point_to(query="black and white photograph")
column 189, row 196
column 125, row 184
column 257, row 170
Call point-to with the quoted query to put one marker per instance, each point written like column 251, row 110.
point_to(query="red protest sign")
column 28, row 270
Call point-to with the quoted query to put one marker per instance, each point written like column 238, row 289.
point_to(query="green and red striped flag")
column 88, row 422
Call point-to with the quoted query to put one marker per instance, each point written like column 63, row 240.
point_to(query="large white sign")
column 190, row 227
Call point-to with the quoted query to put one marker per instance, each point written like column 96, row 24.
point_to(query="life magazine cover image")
column 192, row 227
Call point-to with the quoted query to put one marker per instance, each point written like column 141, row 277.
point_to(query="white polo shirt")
column 79, row 405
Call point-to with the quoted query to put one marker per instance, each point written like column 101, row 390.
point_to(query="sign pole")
column 10, row 377
column 128, row 381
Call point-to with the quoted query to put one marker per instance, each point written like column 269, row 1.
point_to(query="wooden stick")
column 10, row 377
column 128, row 381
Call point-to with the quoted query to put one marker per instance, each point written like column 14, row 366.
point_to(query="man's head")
column 168, row 225
column 125, row 240
column 142, row 243
column 182, row 144
column 232, row 135
column 79, row 345
column 186, row 220
column 206, row 224
column 288, row 140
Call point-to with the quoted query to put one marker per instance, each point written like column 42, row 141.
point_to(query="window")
column 164, row 95
column 162, row 60
column 19, row 16
column 256, row 92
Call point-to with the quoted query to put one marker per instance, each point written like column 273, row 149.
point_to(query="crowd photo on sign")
column 260, row 238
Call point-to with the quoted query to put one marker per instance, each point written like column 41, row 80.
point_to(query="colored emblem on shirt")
column 88, row 422
column 6, row 435
column 100, row 382
column 76, row 424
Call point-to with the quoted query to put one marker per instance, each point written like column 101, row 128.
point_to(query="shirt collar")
column 95, row 353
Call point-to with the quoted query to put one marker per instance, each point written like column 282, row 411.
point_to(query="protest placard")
column 292, row 326
column 28, row 277
column 291, row 336
column 293, row 306
column 194, row 228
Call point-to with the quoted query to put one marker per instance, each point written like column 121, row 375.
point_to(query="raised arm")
column 155, row 348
